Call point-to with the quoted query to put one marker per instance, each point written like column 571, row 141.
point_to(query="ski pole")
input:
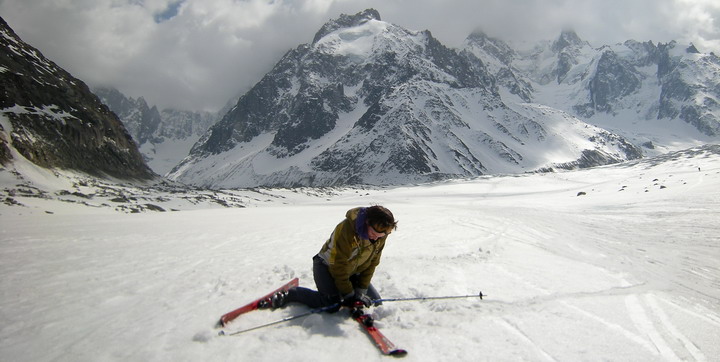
column 286, row 319
column 480, row 295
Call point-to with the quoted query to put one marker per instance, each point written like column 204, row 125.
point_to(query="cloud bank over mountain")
column 192, row 54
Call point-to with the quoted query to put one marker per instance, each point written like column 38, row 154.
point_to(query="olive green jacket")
column 346, row 253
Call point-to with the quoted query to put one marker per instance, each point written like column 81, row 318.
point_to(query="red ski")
column 230, row 316
column 384, row 344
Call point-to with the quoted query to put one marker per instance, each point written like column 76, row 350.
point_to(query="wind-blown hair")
column 380, row 217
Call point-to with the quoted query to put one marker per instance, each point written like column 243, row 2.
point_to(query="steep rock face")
column 370, row 102
column 553, row 61
column 53, row 120
column 139, row 118
column 612, row 80
column 498, row 57
column 164, row 137
column 626, row 82
column 567, row 47
column 179, row 124
column 690, row 88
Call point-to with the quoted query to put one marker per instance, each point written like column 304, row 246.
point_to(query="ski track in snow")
column 628, row 271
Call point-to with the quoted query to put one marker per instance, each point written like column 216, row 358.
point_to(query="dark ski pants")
column 327, row 293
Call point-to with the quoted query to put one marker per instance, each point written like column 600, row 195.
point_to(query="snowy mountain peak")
column 692, row 49
column 369, row 102
column 493, row 48
column 552, row 61
column 498, row 57
column 346, row 21
column 568, row 38
column 357, row 41
column 630, row 87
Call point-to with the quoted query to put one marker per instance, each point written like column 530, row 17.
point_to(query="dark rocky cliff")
column 54, row 119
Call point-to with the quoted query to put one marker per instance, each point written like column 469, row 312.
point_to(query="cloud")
column 170, row 12
column 699, row 20
column 198, row 54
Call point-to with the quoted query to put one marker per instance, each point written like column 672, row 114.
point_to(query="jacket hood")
column 360, row 215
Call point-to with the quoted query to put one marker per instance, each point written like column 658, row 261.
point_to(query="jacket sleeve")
column 340, row 253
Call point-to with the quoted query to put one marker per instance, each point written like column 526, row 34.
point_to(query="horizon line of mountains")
column 369, row 102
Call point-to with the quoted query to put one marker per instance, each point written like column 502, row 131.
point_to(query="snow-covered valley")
column 613, row 263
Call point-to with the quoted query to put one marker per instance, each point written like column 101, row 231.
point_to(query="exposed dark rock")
column 56, row 121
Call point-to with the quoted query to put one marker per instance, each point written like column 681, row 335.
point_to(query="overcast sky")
column 198, row 54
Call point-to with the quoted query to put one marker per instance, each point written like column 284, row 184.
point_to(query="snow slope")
column 627, row 271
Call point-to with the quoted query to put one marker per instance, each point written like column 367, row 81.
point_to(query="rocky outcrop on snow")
column 53, row 120
column 162, row 196
column 371, row 102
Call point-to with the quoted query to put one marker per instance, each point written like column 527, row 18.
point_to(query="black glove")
column 359, row 296
column 362, row 297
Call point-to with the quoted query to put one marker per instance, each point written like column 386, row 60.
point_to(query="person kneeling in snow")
column 346, row 262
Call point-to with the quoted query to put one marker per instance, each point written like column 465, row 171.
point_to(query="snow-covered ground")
column 629, row 270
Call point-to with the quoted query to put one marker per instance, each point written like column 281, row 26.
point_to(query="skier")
column 346, row 262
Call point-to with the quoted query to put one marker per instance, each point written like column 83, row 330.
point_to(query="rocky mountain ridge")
column 371, row 102
column 164, row 137
column 53, row 120
column 617, row 85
